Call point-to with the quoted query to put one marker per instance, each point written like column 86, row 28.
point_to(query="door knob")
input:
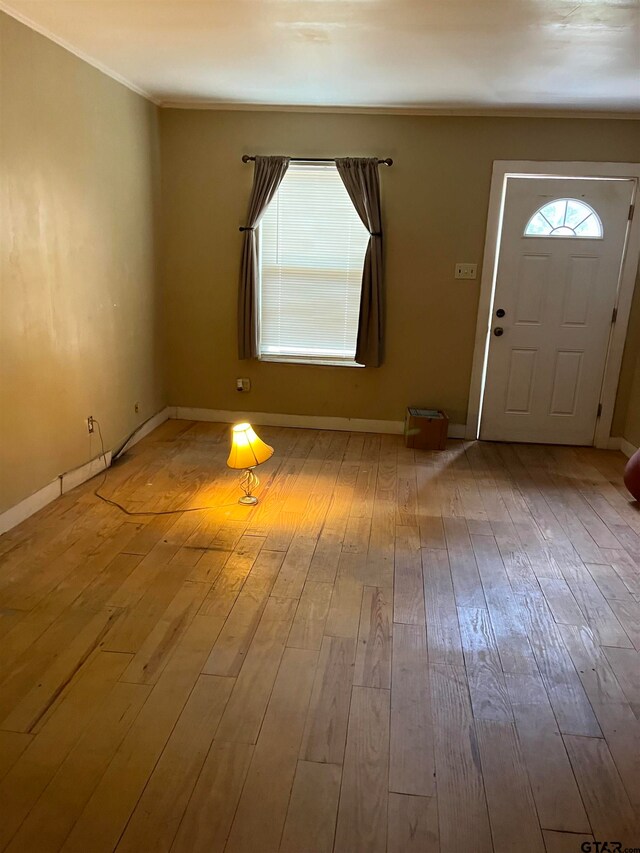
column 498, row 331
column 500, row 312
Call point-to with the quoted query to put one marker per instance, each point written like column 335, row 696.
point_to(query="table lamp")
column 247, row 451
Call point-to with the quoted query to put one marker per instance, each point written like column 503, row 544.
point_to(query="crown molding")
column 99, row 66
column 467, row 111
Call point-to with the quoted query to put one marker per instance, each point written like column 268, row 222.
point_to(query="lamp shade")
column 247, row 450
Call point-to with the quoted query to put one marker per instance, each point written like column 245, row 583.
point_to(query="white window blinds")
column 312, row 246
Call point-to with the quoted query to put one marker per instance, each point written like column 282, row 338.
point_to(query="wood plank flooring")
column 395, row 651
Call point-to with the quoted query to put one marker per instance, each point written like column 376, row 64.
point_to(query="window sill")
column 300, row 359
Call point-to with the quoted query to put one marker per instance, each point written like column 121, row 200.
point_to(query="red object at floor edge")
column 632, row 475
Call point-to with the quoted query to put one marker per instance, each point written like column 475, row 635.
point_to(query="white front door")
column 559, row 262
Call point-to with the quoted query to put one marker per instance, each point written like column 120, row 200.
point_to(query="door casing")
column 502, row 170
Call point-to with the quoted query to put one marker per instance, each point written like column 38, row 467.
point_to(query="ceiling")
column 475, row 55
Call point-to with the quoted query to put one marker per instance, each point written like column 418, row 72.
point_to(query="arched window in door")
column 565, row 217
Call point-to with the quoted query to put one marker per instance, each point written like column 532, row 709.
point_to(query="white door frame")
column 503, row 169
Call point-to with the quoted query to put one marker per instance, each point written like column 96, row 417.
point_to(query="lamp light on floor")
column 247, row 451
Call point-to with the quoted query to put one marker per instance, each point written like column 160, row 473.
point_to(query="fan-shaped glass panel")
column 565, row 217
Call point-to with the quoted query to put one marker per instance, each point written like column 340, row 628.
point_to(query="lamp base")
column 248, row 482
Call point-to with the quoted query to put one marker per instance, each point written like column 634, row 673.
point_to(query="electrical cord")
column 133, row 513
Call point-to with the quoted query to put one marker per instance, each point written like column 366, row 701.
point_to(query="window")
column 565, row 217
column 312, row 247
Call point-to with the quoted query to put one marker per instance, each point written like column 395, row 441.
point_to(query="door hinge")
column 632, row 210
column 614, row 315
column 599, row 410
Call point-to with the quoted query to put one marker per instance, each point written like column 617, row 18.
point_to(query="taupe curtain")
column 362, row 182
column 267, row 176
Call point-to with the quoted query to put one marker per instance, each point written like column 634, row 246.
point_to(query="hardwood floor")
column 394, row 651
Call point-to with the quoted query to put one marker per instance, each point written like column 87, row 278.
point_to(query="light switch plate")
column 466, row 270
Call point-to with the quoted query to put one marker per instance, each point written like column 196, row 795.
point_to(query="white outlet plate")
column 243, row 385
column 466, row 270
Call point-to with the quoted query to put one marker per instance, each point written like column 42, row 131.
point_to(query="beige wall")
column 435, row 203
column 79, row 332
column 632, row 423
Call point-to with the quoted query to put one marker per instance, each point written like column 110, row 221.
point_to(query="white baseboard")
column 60, row 486
column 306, row 421
column 70, row 479
column 147, row 427
column 27, row 507
column 85, row 472
column 616, row 442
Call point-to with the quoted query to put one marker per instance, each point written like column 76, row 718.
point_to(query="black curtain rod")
column 246, row 158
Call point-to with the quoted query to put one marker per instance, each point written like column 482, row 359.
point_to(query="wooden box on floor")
column 426, row 429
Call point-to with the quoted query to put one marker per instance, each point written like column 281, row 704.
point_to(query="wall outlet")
column 243, row 385
column 136, row 407
column 90, row 424
column 466, row 270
